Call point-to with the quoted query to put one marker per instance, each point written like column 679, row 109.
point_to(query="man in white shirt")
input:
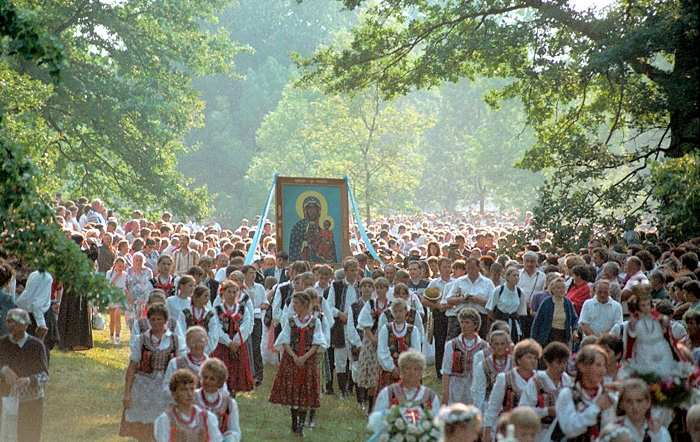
column 635, row 276
column 471, row 290
column 601, row 313
column 531, row 280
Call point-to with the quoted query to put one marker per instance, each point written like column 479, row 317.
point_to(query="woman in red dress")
column 236, row 326
column 297, row 383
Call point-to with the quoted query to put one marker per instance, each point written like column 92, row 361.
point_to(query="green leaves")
column 606, row 92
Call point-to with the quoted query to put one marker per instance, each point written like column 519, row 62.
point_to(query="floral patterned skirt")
column 386, row 378
column 240, row 374
column 297, row 386
column 368, row 365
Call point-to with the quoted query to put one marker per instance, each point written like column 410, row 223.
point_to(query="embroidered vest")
column 221, row 409
column 511, row 398
column 154, row 359
column 179, row 432
column 301, row 338
column 593, row 431
column 491, row 371
column 191, row 321
column 398, row 345
column 338, row 329
column 397, row 396
column 463, row 357
column 231, row 322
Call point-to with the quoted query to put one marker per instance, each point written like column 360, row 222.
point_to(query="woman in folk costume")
column 413, row 314
column 458, row 360
column 144, row 398
column 649, row 341
column 184, row 420
column 493, row 361
column 585, row 408
column 634, row 413
column 511, row 383
column 164, row 279
column 365, row 298
column 200, row 314
column 321, row 310
column 297, row 383
column 196, row 339
column 140, row 325
column 543, row 389
column 395, row 338
column 236, row 324
column 213, row 396
column 407, row 392
column 368, row 322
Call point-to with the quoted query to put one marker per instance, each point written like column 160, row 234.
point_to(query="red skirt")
column 297, row 386
column 240, row 375
column 386, row 378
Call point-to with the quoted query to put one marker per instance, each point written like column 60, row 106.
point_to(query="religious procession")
column 386, row 221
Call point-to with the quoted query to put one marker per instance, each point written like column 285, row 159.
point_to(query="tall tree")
column 114, row 124
column 375, row 143
column 26, row 221
column 472, row 150
column 236, row 106
column 608, row 92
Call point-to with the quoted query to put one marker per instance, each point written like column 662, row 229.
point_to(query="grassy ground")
column 85, row 391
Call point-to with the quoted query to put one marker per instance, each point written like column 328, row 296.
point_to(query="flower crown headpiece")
column 450, row 416
column 613, row 434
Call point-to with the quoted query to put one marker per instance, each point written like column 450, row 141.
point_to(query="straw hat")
column 432, row 294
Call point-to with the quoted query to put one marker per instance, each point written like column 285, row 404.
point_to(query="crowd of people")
column 530, row 344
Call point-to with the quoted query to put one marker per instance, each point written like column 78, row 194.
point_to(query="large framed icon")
column 312, row 219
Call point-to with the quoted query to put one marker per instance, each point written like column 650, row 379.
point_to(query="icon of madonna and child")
column 311, row 238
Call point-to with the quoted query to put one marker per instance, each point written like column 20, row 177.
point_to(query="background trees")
column 608, row 92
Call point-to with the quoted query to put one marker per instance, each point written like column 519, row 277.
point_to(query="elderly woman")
column 556, row 318
column 23, row 375
column 408, row 389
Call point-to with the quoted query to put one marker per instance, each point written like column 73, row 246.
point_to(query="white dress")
column 652, row 352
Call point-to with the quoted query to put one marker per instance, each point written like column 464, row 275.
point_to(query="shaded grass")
column 85, row 390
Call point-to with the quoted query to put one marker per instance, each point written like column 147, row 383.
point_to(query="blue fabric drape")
column 250, row 256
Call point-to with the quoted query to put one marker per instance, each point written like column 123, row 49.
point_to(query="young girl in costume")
column 199, row 314
column 413, row 314
column 365, row 298
column 368, row 322
column 494, row 360
column 321, row 311
column 458, row 360
column 543, row 389
column 459, row 423
column 196, row 338
column 164, row 279
column 176, row 304
column 585, row 408
column 297, row 381
column 144, row 398
column 214, row 397
column 235, row 318
column 116, row 277
column 511, row 383
column 520, row 424
column 634, row 413
column 395, row 338
column 184, row 420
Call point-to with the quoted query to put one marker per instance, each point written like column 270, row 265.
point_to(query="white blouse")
column 164, row 344
column 574, row 421
column 245, row 326
column 381, row 407
column 529, row 398
column 286, row 334
column 495, row 404
column 383, row 352
column 161, row 427
column 213, row 326
column 233, row 431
